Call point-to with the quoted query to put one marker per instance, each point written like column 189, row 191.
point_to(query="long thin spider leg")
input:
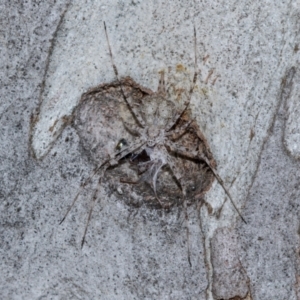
column 127, row 150
column 225, row 189
column 197, row 156
column 176, row 174
column 135, row 116
column 96, row 194
column 90, row 212
column 202, row 138
column 109, row 161
column 176, row 134
column 178, row 116
column 131, row 129
column 97, row 191
column 83, row 186
column 121, row 154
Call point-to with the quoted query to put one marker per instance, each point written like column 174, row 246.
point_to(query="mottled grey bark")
column 51, row 53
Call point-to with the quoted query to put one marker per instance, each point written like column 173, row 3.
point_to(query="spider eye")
column 122, row 143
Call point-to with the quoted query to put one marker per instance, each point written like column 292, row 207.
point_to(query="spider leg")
column 135, row 116
column 82, row 187
column 131, row 129
column 178, row 177
column 197, row 156
column 202, row 138
column 177, row 116
column 107, row 163
column 124, row 153
column 177, row 133
column 90, row 212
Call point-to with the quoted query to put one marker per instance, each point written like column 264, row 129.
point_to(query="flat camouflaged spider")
column 162, row 158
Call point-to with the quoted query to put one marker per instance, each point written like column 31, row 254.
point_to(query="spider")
column 161, row 151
